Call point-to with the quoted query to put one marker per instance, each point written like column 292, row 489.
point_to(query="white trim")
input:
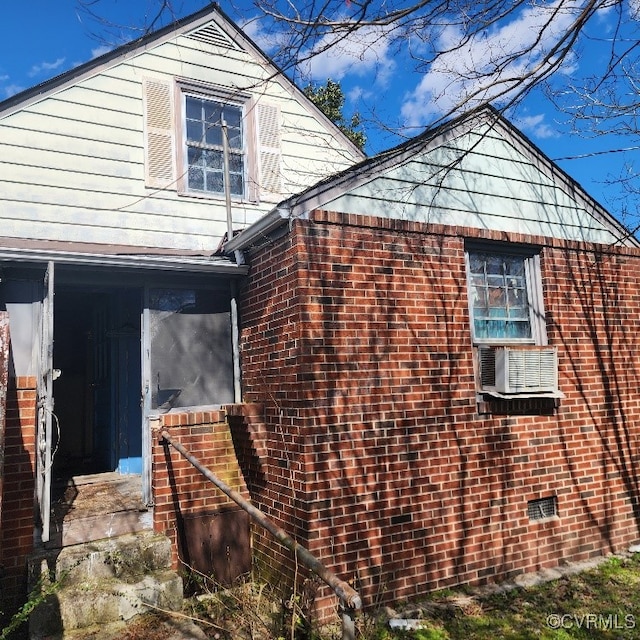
column 258, row 230
column 217, row 264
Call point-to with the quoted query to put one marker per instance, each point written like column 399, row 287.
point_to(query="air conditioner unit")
column 521, row 369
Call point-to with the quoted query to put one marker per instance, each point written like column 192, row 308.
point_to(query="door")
column 45, row 405
column 97, row 396
column 102, row 429
column 126, row 381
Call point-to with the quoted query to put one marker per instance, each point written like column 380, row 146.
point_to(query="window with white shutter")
column 159, row 139
column 184, row 127
column 270, row 175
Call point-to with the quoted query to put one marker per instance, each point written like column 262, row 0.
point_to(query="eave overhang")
column 130, row 259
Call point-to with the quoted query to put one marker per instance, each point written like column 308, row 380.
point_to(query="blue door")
column 126, row 383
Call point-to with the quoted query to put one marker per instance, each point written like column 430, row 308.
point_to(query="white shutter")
column 269, row 156
column 159, row 134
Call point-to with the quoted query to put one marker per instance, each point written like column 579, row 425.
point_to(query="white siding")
column 481, row 180
column 72, row 165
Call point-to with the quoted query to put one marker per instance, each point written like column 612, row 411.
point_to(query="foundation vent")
column 542, row 508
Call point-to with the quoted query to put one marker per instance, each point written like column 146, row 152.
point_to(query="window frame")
column 533, row 285
column 236, row 99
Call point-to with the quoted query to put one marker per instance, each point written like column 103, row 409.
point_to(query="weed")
column 44, row 588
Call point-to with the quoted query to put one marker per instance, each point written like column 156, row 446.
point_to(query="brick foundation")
column 180, row 491
column 16, row 535
column 356, row 339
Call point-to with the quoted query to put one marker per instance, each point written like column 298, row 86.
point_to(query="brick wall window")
column 507, row 319
column 505, row 296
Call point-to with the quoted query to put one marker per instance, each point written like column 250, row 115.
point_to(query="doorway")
column 97, row 382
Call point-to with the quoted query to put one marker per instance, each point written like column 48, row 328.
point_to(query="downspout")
column 235, row 332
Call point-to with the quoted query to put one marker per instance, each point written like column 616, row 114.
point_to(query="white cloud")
column 634, row 9
column 467, row 75
column 44, row 67
column 269, row 42
column 361, row 53
column 11, row 90
column 99, row 51
column 536, row 127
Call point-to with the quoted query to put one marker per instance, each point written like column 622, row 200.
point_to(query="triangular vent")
column 213, row 35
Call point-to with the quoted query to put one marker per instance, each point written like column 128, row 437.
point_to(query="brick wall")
column 181, row 493
column 16, row 534
column 355, row 336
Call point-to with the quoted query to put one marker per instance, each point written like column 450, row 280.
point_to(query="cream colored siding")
column 480, row 180
column 72, row 164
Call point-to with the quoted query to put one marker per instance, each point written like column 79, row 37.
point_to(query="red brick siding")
column 16, row 535
column 179, row 489
column 356, row 338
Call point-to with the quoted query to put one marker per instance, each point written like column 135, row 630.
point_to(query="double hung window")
column 507, row 322
column 500, row 304
column 205, row 123
column 505, row 295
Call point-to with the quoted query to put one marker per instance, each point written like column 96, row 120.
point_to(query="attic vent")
column 542, row 508
column 511, row 370
column 212, row 34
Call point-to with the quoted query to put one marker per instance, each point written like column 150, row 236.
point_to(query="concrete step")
column 92, row 507
column 85, row 606
column 126, row 558
column 103, row 582
column 89, row 528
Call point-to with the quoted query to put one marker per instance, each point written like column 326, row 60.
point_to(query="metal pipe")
column 348, row 596
column 226, row 177
column 235, row 344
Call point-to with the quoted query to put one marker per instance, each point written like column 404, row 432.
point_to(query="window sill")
column 497, row 404
column 515, row 396
column 203, row 195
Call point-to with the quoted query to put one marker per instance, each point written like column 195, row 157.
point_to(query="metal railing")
column 350, row 601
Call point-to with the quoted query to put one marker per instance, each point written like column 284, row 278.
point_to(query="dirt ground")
column 145, row 627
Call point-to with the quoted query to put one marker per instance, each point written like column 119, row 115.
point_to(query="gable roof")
column 436, row 149
column 210, row 25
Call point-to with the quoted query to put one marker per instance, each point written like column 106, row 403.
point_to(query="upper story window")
column 505, row 296
column 183, row 128
column 204, row 120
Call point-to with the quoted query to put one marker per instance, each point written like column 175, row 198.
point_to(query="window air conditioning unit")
column 521, row 369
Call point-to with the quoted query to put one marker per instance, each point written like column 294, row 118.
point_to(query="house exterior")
column 420, row 365
column 114, row 200
column 443, row 339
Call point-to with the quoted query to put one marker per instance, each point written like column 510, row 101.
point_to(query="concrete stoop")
column 104, row 582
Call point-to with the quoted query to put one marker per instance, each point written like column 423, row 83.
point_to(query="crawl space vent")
column 542, row 508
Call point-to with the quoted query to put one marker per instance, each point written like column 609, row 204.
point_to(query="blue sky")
column 38, row 43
